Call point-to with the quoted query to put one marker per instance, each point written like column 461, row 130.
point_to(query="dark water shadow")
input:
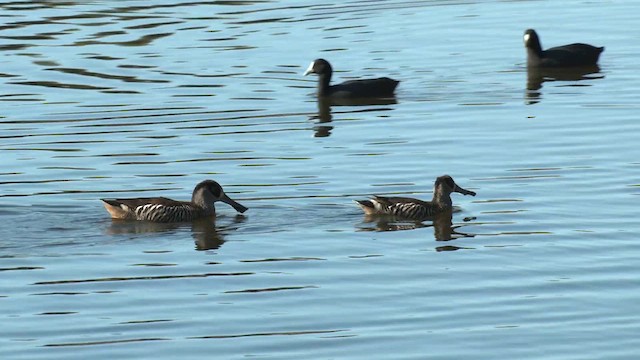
column 443, row 227
column 537, row 76
column 206, row 235
column 325, row 116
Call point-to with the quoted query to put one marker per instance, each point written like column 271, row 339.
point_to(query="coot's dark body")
column 577, row 54
column 366, row 88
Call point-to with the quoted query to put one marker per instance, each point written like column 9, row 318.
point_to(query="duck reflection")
column 204, row 231
column 443, row 228
column 324, row 111
column 537, row 76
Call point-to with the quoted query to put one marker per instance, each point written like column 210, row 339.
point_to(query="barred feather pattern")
column 164, row 213
column 410, row 210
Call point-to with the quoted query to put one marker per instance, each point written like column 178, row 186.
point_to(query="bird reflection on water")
column 443, row 228
column 537, row 76
column 325, row 116
column 204, row 231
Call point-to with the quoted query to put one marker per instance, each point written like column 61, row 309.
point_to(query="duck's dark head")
column 446, row 182
column 210, row 191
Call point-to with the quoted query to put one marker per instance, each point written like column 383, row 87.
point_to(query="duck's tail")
column 367, row 206
column 115, row 208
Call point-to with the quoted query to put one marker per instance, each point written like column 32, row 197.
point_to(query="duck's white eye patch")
column 526, row 37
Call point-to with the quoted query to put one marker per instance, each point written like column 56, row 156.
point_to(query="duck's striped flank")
column 163, row 213
column 410, row 210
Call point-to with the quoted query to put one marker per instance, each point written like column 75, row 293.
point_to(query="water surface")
column 143, row 98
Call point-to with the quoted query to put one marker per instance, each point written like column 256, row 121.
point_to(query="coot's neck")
column 534, row 57
column 534, row 48
column 537, row 47
column 323, row 82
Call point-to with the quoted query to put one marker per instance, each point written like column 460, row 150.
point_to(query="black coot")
column 560, row 56
column 365, row 88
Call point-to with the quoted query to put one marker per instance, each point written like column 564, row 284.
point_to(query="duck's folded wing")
column 405, row 207
column 390, row 200
column 133, row 203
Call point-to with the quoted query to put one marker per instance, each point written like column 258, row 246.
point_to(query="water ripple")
column 136, row 278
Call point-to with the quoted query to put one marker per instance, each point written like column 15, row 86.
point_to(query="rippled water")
column 143, row 98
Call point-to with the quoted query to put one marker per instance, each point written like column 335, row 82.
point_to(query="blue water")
column 145, row 98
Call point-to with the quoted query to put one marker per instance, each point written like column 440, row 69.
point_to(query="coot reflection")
column 536, row 76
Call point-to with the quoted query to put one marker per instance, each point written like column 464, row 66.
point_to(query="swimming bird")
column 379, row 87
column 161, row 209
column 410, row 208
column 577, row 54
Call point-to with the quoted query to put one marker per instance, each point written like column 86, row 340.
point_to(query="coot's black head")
column 531, row 40
column 320, row 67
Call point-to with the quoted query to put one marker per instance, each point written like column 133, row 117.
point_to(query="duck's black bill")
column 239, row 208
column 464, row 191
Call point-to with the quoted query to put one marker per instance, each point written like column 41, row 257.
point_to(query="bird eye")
column 216, row 190
column 450, row 182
